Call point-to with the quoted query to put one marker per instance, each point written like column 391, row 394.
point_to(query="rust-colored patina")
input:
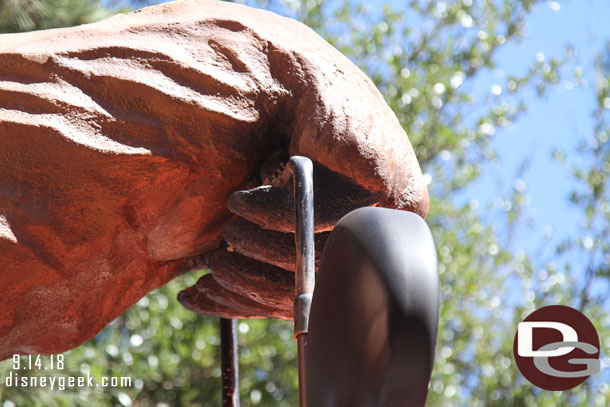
column 122, row 141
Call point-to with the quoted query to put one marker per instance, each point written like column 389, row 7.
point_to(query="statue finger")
column 269, row 246
column 208, row 297
column 272, row 206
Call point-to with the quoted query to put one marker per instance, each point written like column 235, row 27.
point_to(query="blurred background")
column 507, row 105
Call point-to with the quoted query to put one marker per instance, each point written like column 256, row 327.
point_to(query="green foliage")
column 172, row 356
column 28, row 15
column 425, row 57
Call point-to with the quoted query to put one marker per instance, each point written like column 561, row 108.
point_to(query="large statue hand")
column 122, row 141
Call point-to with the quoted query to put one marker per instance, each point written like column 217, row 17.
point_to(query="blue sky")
column 557, row 121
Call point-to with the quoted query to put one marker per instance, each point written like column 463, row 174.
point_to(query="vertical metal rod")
column 229, row 362
column 302, row 172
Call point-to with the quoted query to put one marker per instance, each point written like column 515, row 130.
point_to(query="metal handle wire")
column 302, row 175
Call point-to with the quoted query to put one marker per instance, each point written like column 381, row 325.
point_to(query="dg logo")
column 557, row 348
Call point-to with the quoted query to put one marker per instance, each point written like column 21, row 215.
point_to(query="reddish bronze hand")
column 122, row 141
